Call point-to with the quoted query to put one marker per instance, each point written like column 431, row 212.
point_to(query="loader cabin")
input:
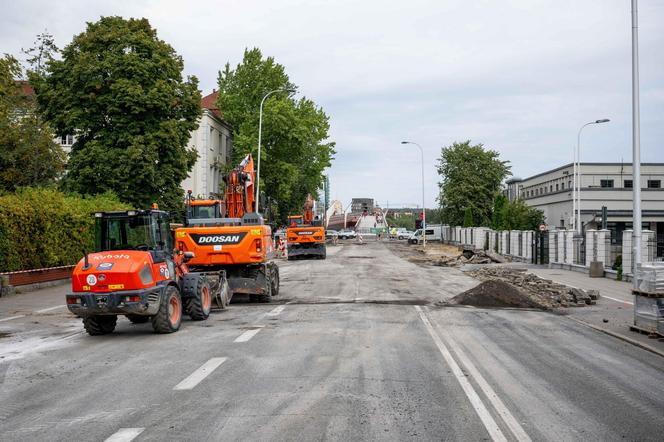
column 146, row 230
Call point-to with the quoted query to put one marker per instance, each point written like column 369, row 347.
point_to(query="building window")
column 569, row 184
column 557, row 189
column 562, row 186
column 551, row 188
column 67, row 140
column 628, row 184
column 606, row 183
column 654, row 184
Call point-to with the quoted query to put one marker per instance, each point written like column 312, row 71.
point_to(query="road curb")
column 619, row 336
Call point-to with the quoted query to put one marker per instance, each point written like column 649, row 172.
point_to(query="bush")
column 46, row 228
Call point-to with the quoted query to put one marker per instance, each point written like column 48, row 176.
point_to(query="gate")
column 540, row 247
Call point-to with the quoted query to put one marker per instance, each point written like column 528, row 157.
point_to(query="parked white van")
column 433, row 233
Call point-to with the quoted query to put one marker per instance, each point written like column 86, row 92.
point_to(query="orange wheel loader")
column 135, row 272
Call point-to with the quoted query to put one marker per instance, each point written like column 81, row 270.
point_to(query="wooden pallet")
column 651, row 334
column 647, row 294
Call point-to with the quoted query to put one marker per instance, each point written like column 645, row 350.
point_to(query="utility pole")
column 636, row 145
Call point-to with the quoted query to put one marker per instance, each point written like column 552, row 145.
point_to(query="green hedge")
column 46, row 228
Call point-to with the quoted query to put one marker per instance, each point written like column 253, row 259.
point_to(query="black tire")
column 100, row 325
column 199, row 303
column 167, row 320
column 275, row 282
column 138, row 319
column 267, row 296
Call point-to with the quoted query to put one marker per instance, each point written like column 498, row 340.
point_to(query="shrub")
column 42, row 227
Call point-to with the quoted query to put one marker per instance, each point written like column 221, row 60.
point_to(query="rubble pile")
column 469, row 257
column 504, row 286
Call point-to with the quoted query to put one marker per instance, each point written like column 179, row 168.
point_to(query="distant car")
column 331, row 234
column 347, row 234
column 403, row 234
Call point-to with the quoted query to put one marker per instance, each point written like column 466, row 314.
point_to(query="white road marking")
column 617, row 300
column 484, row 415
column 497, row 403
column 125, row 434
column 276, row 310
column 44, row 310
column 244, row 337
column 12, row 317
column 201, row 373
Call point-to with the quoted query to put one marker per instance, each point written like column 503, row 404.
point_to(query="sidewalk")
column 614, row 312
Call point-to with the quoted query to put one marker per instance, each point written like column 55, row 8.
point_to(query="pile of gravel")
column 508, row 287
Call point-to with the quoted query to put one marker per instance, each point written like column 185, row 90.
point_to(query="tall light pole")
column 424, row 210
column 260, row 130
column 636, row 146
column 577, row 181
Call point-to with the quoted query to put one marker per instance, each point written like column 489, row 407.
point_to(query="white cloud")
column 518, row 76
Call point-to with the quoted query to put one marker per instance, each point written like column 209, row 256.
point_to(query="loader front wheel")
column 169, row 315
column 99, row 325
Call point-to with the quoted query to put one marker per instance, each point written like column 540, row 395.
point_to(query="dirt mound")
column 503, row 287
column 496, row 293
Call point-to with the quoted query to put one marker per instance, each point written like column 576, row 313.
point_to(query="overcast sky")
column 518, row 76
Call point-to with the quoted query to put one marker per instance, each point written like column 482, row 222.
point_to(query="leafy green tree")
column 28, row 154
column 42, row 53
column 471, row 178
column 120, row 89
column 498, row 213
column 295, row 146
column 405, row 221
column 517, row 215
column 468, row 217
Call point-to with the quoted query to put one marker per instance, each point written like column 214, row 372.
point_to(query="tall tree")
column 42, row 53
column 295, row 146
column 28, row 154
column 471, row 178
column 120, row 89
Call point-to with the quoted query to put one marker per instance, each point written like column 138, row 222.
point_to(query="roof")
column 26, row 88
column 588, row 164
column 209, row 102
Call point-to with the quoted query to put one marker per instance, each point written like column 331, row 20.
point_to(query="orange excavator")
column 230, row 235
column 305, row 234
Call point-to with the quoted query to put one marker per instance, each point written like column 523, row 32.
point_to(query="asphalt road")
column 353, row 349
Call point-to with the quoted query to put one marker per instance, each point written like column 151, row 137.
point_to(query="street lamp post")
column 577, row 171
column 260, row 130
column 424, row 210
column 636, row 147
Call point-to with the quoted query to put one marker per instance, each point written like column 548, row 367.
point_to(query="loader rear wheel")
column 198, row 306
column 99, row 325
column 169, row 315
column 138, row 319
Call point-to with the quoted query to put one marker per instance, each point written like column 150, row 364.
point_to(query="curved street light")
column 260, row 130
column 576, row 193
column 424, row 210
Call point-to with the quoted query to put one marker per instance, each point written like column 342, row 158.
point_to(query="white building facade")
column 213, row 142
column 607, row 185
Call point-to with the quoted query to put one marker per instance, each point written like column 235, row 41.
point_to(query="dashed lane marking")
column 244, row 337
column 489, row 423
column 12, row 317
column 617, row 300
column 275, row 311
column 44, row 310
column 201, row 373
column 125, row 434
